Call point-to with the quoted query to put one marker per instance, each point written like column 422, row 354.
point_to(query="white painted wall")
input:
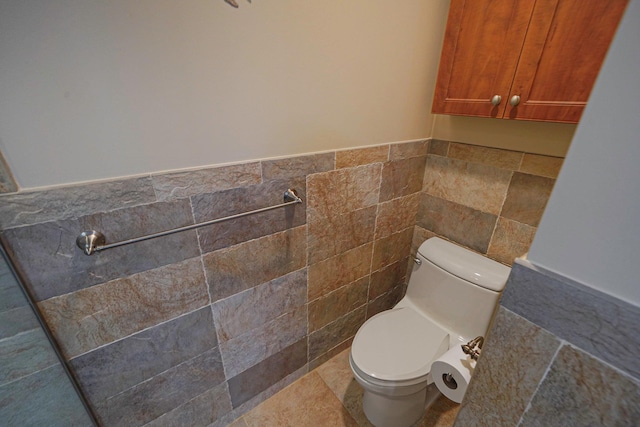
column 590, row 230
column 102, row 89
column 550, row 139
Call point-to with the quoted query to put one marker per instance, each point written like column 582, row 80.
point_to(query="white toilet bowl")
column 450, row 299
column 390, row 357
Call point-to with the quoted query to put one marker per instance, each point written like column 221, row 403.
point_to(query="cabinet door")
column 482, row 43
column 561, row 57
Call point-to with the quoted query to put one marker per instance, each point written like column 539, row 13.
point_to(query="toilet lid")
column 398, row 344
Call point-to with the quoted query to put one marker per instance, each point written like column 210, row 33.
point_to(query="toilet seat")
column 397, row 345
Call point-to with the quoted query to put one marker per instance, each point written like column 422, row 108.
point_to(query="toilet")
column 451, row 298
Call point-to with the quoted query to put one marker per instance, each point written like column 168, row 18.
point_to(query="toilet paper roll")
column 451, row 373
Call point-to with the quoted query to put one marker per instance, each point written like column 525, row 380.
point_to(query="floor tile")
column 441, row 414
column 238, row 423
column 307, row 402
column 329, row 396
column 337, row 374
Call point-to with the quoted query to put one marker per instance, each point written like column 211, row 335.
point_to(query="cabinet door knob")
column 515, row 100
column 496, row 100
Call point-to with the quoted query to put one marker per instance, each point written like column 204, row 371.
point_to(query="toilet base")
column 398, row 411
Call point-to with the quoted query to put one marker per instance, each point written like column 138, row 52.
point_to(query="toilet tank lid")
column 465, row 264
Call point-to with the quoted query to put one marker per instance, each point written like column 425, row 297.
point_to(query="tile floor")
column 328, row 396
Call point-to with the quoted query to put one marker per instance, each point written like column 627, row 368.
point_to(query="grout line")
column 544, row 375
column 53, row 365
column 306, row 264
column 138, row 332
column 495, row 226
column 204, row 270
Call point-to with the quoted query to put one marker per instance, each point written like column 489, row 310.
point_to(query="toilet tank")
column 455, row 287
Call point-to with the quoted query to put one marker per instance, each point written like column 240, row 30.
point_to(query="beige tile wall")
column 257, row 301
column 487, row 199
column 360, row 220
column 233, row 311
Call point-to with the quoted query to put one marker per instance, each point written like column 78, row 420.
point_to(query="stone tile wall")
column 200, row 326
column 34, row 387
column 559, row 354
column 205, row 324
column 487, row 199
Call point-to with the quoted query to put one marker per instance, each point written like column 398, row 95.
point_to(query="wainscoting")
column 201, row 326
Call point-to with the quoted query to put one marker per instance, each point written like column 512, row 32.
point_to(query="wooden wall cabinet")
column 523, row 59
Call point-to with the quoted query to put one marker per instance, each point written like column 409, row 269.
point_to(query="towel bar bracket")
column 94, row 241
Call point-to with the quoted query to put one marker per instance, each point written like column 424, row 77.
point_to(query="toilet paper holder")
column 473, row 347
column 449, row 381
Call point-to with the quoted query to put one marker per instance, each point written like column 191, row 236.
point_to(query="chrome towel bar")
column 94, row 241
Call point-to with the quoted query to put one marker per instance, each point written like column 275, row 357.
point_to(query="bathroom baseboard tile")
column 599, row 324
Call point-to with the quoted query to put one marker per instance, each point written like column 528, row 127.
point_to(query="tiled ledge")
column 595, row 322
